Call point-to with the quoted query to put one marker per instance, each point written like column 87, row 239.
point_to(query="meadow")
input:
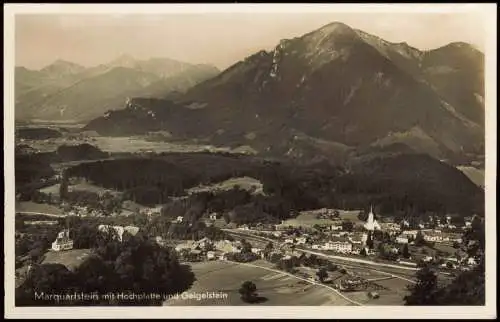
column 308, row 219
column 29, row 206
column 277, row 288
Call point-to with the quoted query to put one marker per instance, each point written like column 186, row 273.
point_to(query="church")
column 371, row 224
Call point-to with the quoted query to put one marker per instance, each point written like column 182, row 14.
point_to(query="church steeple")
column 371, row 224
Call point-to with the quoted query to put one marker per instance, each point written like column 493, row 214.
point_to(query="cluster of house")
column 209, row 220
column 84, row 211
column 453, row 262
column 433, row 222
column 326, row 213
column 430, row 235
column 150, row 212
column 211, row 250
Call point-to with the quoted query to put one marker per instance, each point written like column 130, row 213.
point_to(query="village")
column 291, row 248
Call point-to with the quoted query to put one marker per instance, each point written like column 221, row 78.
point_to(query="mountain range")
column 67, row 91
column 326, row 93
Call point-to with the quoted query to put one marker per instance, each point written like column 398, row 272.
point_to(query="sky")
column 220, row 39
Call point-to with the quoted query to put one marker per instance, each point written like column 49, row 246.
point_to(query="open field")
column 29, row 206
column 245, row 183
column 69, row 258
column 84, row 186
column 308, row 219
column 277, row 288
column 445, row 247
column 53, row 189
column 121, row 144
column 138, row 144
column 390, row 290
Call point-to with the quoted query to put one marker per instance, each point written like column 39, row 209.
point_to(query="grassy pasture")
column 69, row 258
column 29, row 206
column 308, row 219
column 278, row 288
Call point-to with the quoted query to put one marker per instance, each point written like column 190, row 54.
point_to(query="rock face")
column 338, row 86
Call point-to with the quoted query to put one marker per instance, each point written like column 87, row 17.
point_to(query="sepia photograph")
column 250, row 160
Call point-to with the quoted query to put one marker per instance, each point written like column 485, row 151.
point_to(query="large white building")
column 339, row 245
column 402, row 239
column 62, row 242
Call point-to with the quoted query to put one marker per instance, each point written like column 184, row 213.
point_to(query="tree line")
column 296, row 186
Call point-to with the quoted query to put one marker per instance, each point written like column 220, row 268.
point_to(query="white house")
column 471, row 261
column 412, row 233
column 301, row 240
column 257, row 251
column 62, row 242
column 358, row 239
column 210, row 255
column 433, row 236
column 402, row 240
column 213, row 216
column 179, row 219
column 159, row 240
column 427, row 259
column 341, row 246
column 336, row 227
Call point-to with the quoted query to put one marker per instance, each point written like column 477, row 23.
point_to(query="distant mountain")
column 67, row 91
column 61, row 68
column 336, row 86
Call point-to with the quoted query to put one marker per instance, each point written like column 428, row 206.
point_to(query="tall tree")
column 63, row 186
column 424, row 291
column 248, row 291
column 405, row 252
column 419, row 239
column 322, row 274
